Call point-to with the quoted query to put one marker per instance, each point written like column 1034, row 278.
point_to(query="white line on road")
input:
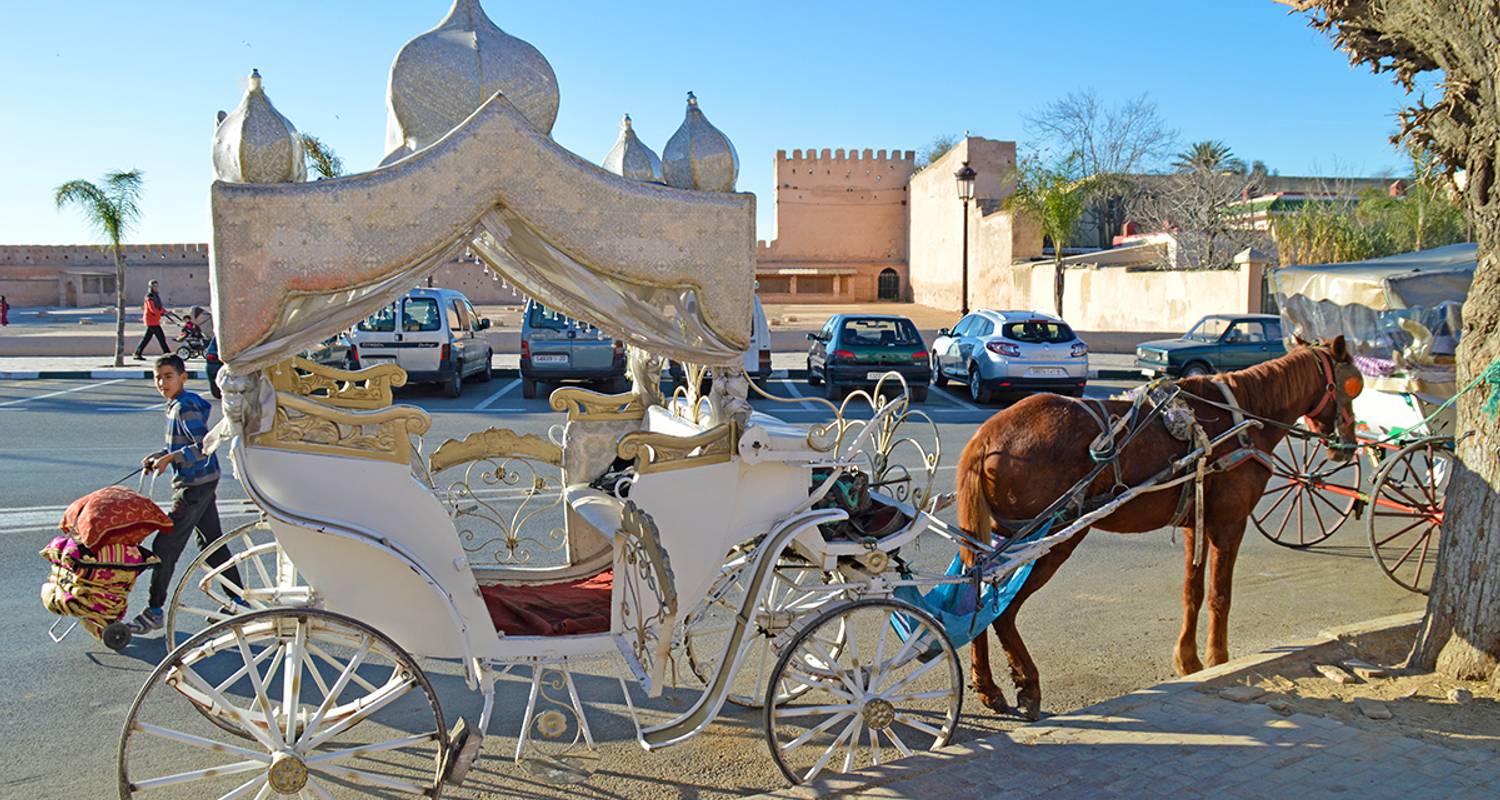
column 64, row 391
column 504, row 390
column 952, row 398
column 791, row 386
column 152, row 407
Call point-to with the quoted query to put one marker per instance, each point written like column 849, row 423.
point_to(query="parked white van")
column 433, row 334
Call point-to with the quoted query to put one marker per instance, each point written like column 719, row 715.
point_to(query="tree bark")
column 119, row 307
column 1057, row 280
column 1460, row 634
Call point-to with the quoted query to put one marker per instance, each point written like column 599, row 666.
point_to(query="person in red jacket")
column 4, row 311
column 152, row 311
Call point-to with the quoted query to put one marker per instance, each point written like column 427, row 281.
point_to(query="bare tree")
column 936, row 149
column 1460, row 40
column 1110, row 142
column 1205, row 209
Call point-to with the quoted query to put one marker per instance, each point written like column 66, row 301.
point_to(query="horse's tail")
column 973, row 509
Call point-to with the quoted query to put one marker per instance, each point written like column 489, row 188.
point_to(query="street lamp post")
column 965, row 178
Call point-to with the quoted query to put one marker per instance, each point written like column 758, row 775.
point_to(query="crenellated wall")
column 841, row 220
column 54, row 275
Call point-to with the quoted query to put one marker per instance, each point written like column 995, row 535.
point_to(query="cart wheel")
column 1309, row 495
column 329, row 708
column 267, row 579
column 878, row 699
column 116, row 636
column 797, row 589
column 1406, row 516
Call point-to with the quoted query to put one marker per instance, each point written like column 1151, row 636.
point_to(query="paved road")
column 1102, row 628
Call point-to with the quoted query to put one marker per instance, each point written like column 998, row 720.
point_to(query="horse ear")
column 1340, row 350
column 1301, row 342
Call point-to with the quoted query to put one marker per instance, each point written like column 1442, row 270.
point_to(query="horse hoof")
column 1185, row 668
column 994, row 702
column 1030, row 709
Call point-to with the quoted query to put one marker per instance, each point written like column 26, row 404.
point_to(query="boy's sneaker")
column 146, row 622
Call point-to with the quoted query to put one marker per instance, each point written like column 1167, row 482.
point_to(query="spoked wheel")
column 321, row 706
column 1406, row 513
column 1309, row 496
column 266, row 578
column 797, row 589
column 875, row 700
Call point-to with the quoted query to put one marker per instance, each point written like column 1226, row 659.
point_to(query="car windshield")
column 1037, row 331
column 420, row 314
column 382, row 321
column 545, row 318
column 879, row 333
column 1208, row 329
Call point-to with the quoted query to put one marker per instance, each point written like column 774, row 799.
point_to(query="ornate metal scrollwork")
column 368, row 388
column 647, row 594
column 512, row 484
column 306, row 425
column 909, row 478
column 556, row 743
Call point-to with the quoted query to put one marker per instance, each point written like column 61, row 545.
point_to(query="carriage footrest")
column 463, row 750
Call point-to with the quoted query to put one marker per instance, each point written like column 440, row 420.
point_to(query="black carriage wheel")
column 1406, row 513
column 1309, row 495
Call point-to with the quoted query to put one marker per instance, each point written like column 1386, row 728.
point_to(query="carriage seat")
column 770, row 438
column 566, row 608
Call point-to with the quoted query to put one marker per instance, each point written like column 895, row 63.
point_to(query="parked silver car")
column 1009, row 352
column 556, row 348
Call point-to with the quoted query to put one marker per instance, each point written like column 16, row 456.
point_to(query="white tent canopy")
column 669, row 270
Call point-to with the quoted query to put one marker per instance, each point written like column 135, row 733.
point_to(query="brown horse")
column 1025, row 457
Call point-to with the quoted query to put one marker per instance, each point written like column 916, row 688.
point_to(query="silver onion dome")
column 439, row 78
column 631, row 157
column 700, row 156
column 254, row 143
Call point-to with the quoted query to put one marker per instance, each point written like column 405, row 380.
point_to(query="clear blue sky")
column 90, row 86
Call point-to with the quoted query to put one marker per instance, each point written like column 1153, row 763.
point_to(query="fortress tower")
column 841, row 227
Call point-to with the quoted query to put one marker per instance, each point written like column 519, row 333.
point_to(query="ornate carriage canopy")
column 671, row 271
column 1402, row 308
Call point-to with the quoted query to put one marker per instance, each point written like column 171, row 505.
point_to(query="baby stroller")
column 191, row 339
column 96, row 560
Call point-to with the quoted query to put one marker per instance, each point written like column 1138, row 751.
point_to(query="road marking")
column 952, row 398
column 791, row 386
column 511, row 410
column 152, row 407
column 504, row 390
column 64, row 391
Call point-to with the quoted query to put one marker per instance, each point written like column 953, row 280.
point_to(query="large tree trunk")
column 119, row 307
column 1460, row 636
column 1057, row 279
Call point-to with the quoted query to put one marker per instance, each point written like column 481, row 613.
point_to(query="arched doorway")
column 889, row 285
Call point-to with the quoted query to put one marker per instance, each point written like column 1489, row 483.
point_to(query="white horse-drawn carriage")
column 690, row 544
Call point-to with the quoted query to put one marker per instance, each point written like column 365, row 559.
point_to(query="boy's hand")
column 160, row 463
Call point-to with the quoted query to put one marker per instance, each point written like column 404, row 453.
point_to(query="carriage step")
column 463, row 750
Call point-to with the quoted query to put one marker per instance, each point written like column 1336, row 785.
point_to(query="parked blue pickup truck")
column 1218, row 343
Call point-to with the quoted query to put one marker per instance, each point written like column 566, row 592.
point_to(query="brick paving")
column 1175, row 740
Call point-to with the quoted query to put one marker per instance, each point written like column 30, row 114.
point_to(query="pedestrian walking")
column 195, row 483
column 151, row 312
column 4, row 312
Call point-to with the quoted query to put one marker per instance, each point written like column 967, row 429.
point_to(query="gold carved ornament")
column 308, row 426
column 369, row 388
column 583, row 404
column 659, row 452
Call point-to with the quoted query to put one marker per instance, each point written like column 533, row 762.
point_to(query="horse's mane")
column 1278, row 385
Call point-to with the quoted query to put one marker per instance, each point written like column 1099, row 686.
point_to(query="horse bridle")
column 1332, row 388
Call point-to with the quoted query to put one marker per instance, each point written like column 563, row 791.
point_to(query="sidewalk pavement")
column 1182, row 739
column 1104, row 366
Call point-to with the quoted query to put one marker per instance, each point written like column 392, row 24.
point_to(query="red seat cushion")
column 554, row 609
column 113, row 515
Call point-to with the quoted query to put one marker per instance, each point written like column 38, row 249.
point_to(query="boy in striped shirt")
column 195, row 482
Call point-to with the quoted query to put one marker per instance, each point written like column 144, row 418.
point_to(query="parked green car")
column 1218, row 343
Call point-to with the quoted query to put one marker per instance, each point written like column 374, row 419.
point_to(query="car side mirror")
column 813, row 337
column 484, row 323
column 945, row 331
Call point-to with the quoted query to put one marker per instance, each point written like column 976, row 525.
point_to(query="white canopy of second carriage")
column 668, row 270
column 1423, row 278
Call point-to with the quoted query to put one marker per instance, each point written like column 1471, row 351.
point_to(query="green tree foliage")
column 111, row 208
column 321, row 160
column 1055, row 196
column 935, row 149
column 1210, row 155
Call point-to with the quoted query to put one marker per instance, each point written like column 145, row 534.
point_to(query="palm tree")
column 1210, row 155
column 321, row 159
column 111, row 209
column 1056, row 198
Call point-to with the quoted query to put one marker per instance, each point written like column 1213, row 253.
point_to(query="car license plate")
column 873, row 376
column 369, row 359
column 1047, row 372
column 1149, row 373
column 549, row 359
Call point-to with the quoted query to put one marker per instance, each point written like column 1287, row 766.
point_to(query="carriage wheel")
column 797, row 588
column 877, row 699
column 321, row 706
column 1406, row 514
column 1309, row 496
column 268, row 579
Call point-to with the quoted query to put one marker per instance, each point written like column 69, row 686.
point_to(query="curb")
column 84, row 374
column 872, row 778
